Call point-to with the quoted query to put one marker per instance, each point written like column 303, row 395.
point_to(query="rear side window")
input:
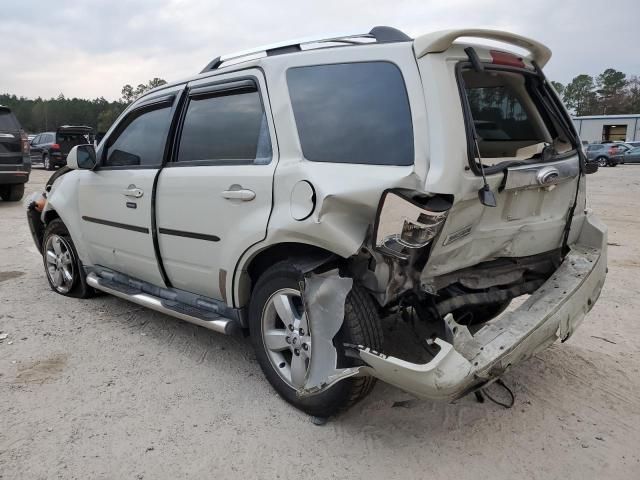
column 498, row 114
column 8, row 121
column 352, row 113
column 592, row 148
column 229, row 127
column 142, row 141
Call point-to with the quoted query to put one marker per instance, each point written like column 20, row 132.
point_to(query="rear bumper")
column 552, row 312
column 14, row 174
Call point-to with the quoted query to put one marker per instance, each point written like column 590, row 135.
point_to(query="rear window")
column 498, row 114
column 8, row 121
column 513, row 117
column 352, row 113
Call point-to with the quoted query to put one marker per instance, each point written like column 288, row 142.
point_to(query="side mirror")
column 590, row 167
column 82, row 157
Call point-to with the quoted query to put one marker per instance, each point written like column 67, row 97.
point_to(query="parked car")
column 632, row 156
column 301, row 194
column 51, row 148
column 603, row 154
column 633, row 144
column 15, row 165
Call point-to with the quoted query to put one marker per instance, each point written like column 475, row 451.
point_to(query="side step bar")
column 182, row 311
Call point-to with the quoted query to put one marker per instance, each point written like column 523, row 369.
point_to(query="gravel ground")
column 104, row 389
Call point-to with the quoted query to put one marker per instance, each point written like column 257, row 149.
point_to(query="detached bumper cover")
column 552, row 312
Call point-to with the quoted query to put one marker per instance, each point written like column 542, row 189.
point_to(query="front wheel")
column 602, row 161
column 283, row 343
column 47, row 163
column 61, row 262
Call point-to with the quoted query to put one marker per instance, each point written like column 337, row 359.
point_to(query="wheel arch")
column 249, row 270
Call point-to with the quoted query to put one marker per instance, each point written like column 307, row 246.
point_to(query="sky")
column 92, row 48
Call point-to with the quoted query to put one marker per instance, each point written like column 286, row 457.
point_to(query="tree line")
column 610, row 93
column 41, row 115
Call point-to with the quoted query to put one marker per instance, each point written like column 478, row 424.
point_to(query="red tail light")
column 504, row 58
column 55, row 146
column 24, row 140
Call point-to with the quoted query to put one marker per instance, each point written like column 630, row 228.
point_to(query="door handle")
column 242, row 194
column 133, row 191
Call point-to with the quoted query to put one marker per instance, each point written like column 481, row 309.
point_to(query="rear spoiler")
column 438, row 42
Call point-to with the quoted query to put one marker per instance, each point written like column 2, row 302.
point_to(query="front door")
column 115, row 200
column 214, row 196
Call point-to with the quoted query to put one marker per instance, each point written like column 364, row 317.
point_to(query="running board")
column 197, row 316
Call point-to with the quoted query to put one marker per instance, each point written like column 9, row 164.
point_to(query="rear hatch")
column 68, row 137
column 10, row 138
column 513, row 127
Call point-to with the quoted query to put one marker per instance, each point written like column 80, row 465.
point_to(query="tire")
column 361, row 326
column 602, row 161
column 46, row 162
column 14, row 193
column 65, row 272
column 613, row 164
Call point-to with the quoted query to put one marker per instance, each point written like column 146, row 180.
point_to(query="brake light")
column 55, row 146
column 24, row 141
column 504, row 58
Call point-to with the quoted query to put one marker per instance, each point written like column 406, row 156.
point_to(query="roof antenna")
column 486, row 196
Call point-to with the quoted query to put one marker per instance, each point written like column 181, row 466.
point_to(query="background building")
column 599, row 128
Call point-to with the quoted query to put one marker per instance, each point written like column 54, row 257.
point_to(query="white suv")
column 304, row 191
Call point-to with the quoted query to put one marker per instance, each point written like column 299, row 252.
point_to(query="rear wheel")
column 61, row 263
column 16, row 192
column 283, row 346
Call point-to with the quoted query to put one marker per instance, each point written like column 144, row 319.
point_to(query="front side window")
column 352, row 113
column 227, row 127
column 142, row 141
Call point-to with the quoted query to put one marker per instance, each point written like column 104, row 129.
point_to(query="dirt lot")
column 104, row 389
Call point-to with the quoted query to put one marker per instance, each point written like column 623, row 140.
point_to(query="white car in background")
column 306, row 191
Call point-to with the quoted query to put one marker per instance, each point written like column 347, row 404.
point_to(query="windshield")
column 510, row 119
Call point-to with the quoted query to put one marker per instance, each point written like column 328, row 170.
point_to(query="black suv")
column 15, row 164
column 51, row 148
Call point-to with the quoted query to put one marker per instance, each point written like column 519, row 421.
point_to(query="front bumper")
column 552, row 312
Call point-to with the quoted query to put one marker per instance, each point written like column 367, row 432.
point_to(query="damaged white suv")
column 304, row 191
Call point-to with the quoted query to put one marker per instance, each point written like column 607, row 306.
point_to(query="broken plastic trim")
column 324, row 297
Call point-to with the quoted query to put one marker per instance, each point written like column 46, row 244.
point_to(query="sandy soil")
column 104, row 389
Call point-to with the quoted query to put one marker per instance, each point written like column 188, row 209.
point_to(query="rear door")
column 115, row 200
column 10, row 140
column 214, row 198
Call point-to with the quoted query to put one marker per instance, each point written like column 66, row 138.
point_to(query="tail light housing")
column 24, row 142
column 407, row 221
column 55, row 146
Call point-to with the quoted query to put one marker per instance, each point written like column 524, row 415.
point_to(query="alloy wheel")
column 59, row 263
column 285, row 335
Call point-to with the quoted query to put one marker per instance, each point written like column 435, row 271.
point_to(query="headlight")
column 406, row 221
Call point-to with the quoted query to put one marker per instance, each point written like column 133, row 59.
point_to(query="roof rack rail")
column 380, row 34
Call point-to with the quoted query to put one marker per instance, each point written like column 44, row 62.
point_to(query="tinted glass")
column 8, row 121
column 352, row 113
column 228, row 127
column 499, row 115
column 142, row 141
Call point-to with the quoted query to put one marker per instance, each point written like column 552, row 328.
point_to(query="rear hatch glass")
column 510, row 117
column 10, row 142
